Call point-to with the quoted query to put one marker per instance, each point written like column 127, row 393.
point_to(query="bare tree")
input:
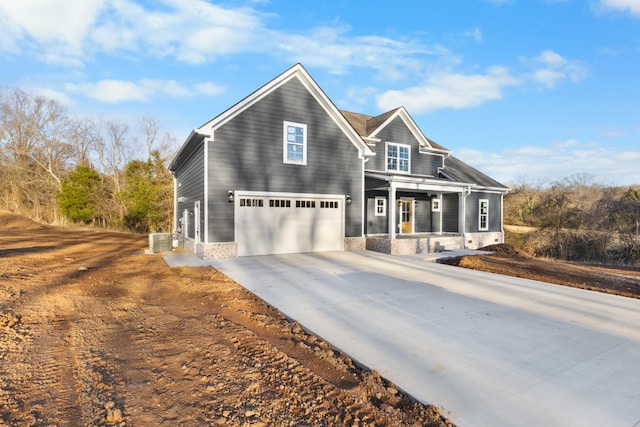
column 150, row 127
column 35, row 151
column 113, row 152
column 83, row 136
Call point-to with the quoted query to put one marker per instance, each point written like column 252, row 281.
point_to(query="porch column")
column 462, row 217
column 392, row 211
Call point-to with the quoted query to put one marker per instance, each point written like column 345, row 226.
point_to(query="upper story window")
column 294, row 144
column 483, row 217
column 398, row 157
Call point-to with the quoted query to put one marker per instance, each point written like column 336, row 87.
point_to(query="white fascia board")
column 299, row 72
column 413, row 127
column 495, row 190
column 334, row 113
column 423, row 184
column 288, row 195
column 192, row 134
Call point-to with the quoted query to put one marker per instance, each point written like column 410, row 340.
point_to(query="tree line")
column 576, row 219
column 57, row 169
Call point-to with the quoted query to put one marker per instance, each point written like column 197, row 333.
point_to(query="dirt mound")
column 12, row 221
column 504, row 249
column 508, row 260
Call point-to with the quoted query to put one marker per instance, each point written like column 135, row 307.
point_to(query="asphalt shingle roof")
column 459, row 171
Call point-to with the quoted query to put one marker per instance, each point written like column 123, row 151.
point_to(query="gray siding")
column 191, row 187
column 450, row 218
column 247, row 153
column 423, row 217
column 473, row 212
column 376, row 224
column 397, row 131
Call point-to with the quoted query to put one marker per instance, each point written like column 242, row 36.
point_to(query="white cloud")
column 331, row 48
column 475, row 34
column 114, row 91
column 61, row 97
column 550, row 69
column 631, row 6
column 197, row 32
column 61, row 27
column 558, row 160
column 450, row 90
column 209, row 88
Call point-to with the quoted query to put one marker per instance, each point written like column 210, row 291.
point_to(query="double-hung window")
column 294, row 144
column 381, row 206
column 483, row 217
column 398, row 157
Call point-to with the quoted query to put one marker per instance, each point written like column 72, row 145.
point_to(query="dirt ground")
column 94, row 332
column 508, row 260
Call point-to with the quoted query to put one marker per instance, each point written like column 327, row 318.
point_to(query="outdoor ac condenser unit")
column 160, row 242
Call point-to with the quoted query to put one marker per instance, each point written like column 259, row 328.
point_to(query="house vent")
column 160, row 242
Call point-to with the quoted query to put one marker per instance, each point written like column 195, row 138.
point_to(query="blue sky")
column 533, row 90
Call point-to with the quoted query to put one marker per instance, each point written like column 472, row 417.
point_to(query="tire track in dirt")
column 54, row 397
column 130, row 342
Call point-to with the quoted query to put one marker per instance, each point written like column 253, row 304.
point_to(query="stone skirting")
column 355, row 244
column 218, row 250
column 413, row 245
column 480, row 240
column 188, row 244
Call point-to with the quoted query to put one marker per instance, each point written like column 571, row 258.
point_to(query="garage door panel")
column 274, row 225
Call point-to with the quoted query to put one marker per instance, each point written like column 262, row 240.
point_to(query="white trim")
column 239, row 193
column 197, row 232
column 299, row 72
column 266, row 194
column 384, row 206
column 480, row 227
column 205, row 146
column 436, row 204
column 413, row 127
column 413, row 214
column 386, row 158
column 175, row 203
column 363, row 200
column 392, row 222
column 286, row 142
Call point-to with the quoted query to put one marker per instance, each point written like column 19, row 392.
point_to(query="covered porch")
column 414, row 214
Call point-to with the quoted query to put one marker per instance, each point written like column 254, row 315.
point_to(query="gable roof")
column 369, row 126
column 457, row 170
column 207, row 130
column 300, row 73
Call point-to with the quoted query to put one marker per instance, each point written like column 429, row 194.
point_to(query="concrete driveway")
column 490, row 350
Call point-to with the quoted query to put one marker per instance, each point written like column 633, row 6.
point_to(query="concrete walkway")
column 490, row 350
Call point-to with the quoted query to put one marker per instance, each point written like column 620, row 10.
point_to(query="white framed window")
column 398, row 157
column 483, row 215
column 435, row 205
column 381, row 206
column 294, row 143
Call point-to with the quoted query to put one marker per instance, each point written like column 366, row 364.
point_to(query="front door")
column 406, row 216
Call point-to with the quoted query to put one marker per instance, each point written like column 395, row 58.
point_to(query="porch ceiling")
column 415, row 183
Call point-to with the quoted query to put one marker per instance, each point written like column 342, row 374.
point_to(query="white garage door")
column 279, row 224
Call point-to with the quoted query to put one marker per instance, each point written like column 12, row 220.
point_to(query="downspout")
column 465, row 193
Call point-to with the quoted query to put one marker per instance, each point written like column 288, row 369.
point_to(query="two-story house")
column 285, row 171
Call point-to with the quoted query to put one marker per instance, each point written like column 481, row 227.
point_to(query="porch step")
column 447, row 246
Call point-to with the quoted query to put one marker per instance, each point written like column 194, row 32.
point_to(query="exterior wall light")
column 230, row 196
column 348, row 199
